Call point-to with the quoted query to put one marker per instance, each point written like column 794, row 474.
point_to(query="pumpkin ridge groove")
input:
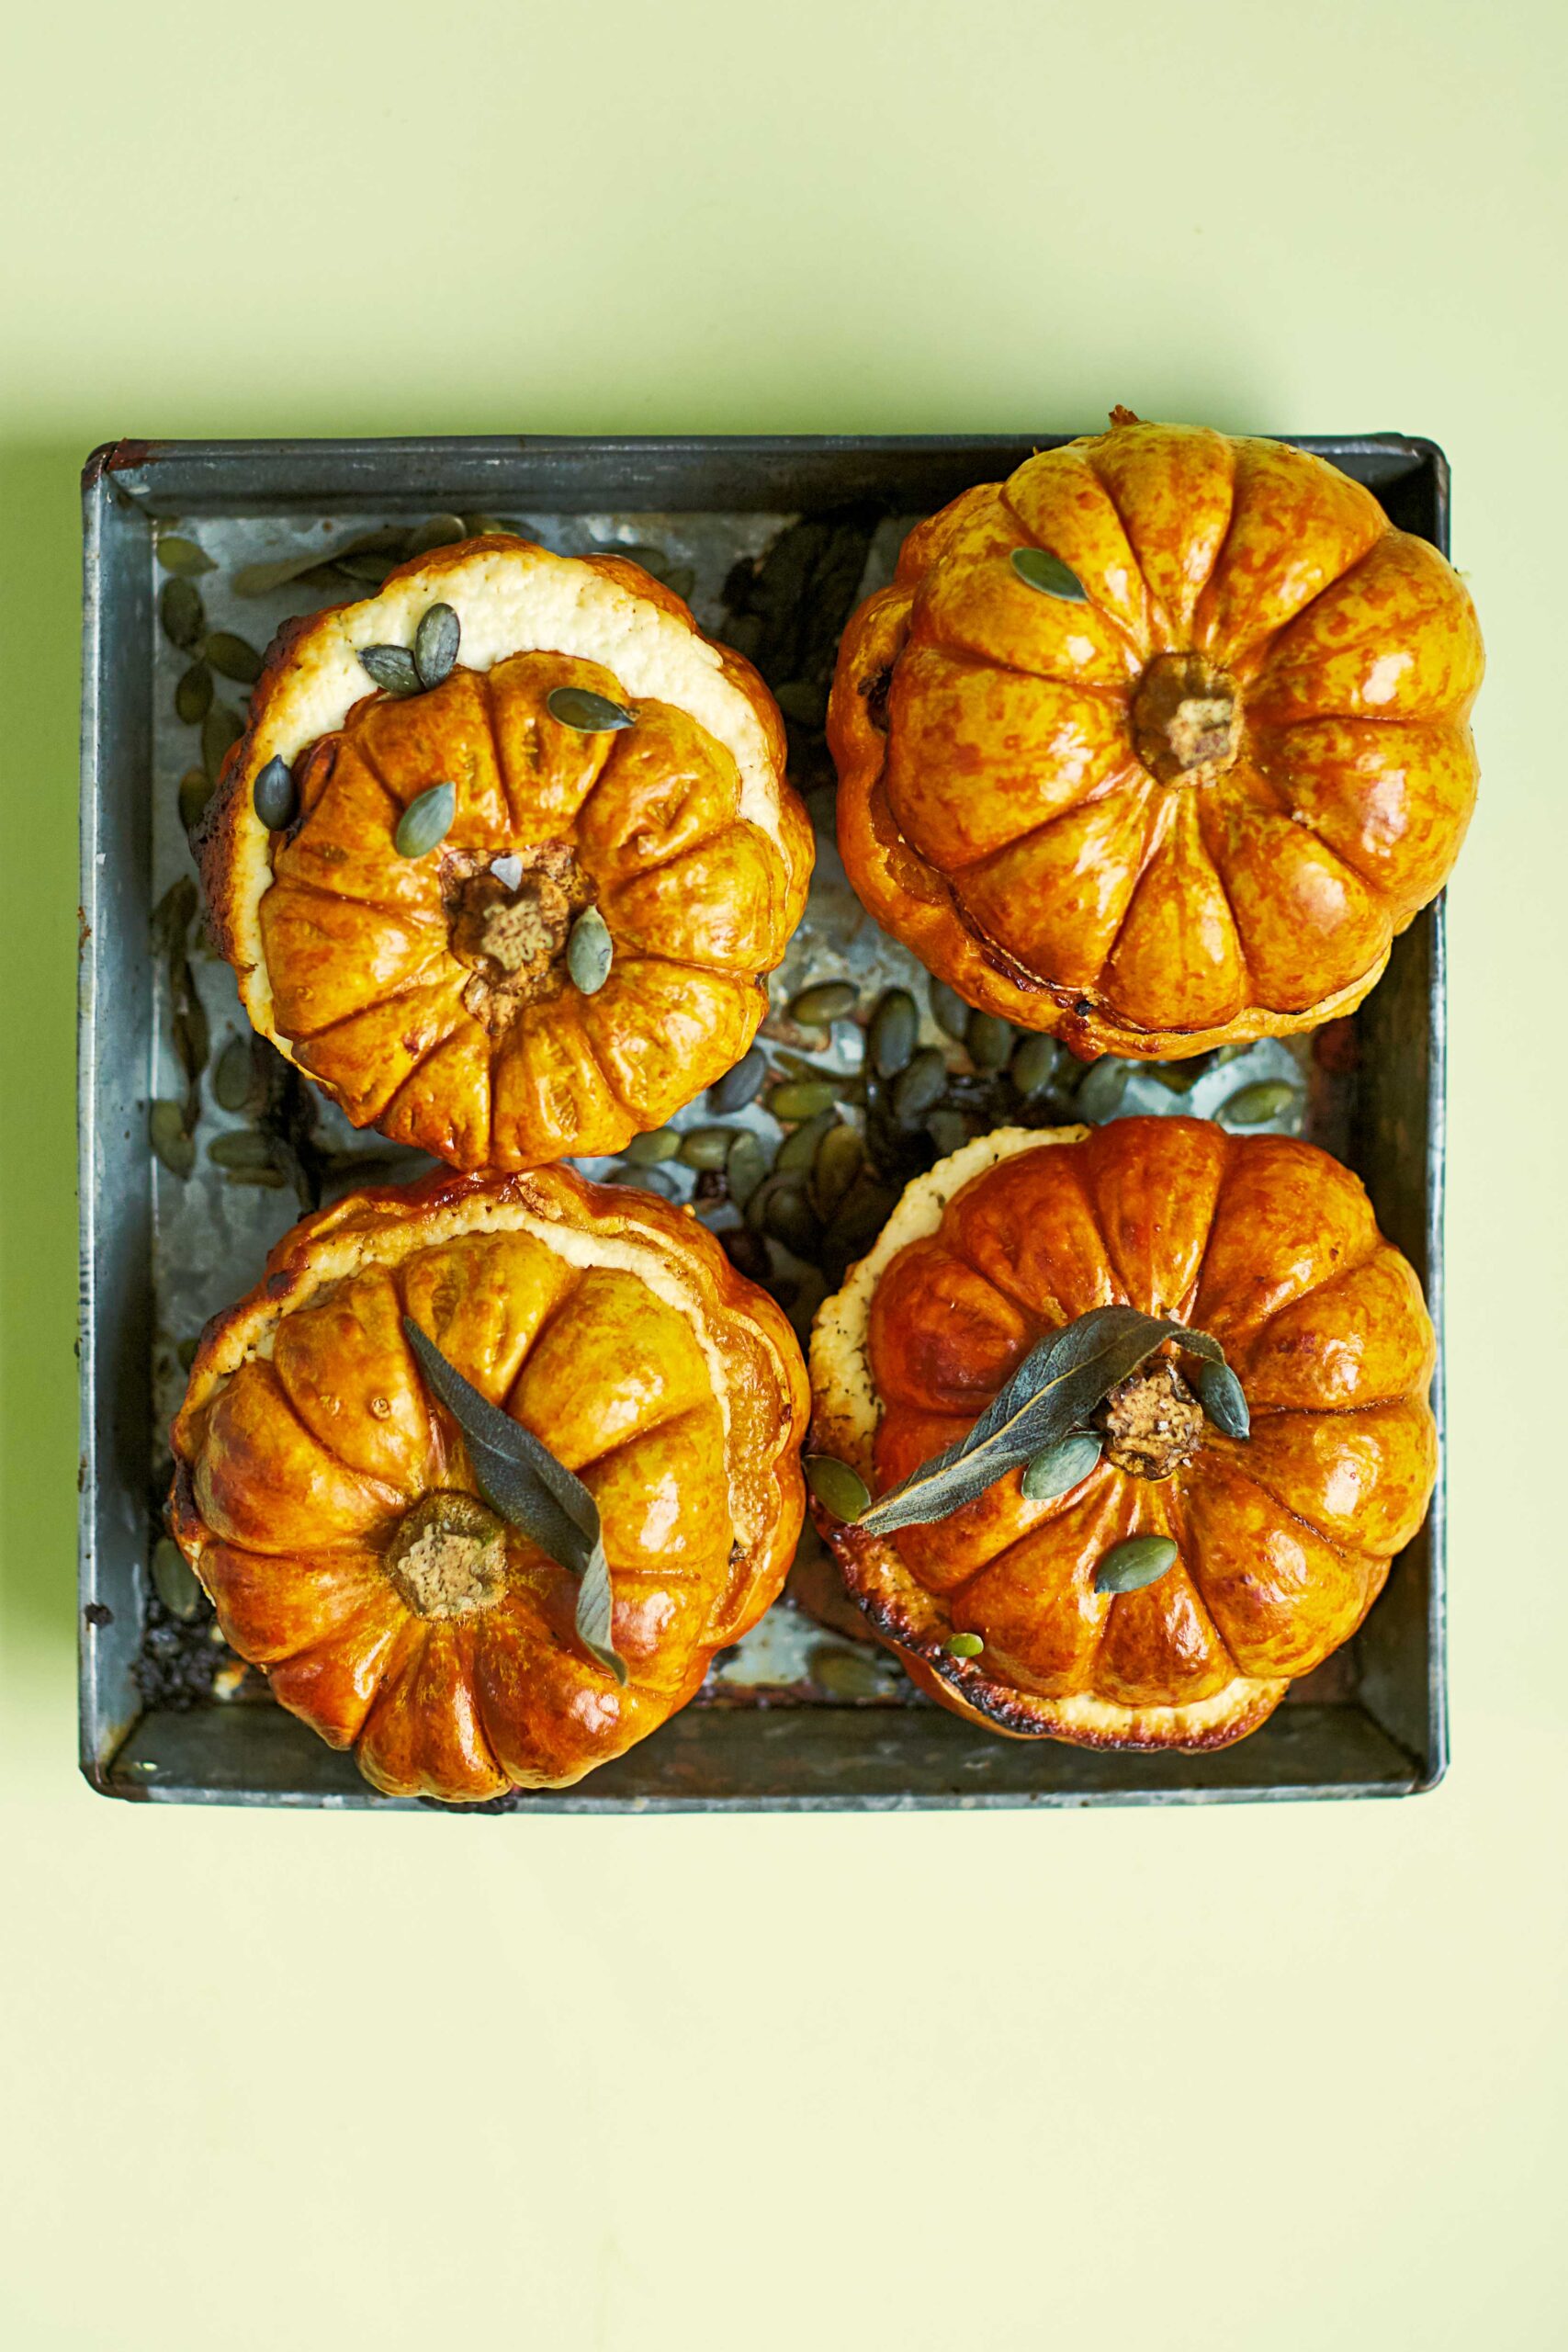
column 1159, row 818
column 1208, row 814
column 1031, row 539
column 371, row 1004
column 1153, row 603
column 1124, row 779
column 390, row 1106
column 1252, row 1477
column 961, row 656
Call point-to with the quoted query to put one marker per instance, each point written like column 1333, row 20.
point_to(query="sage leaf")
column 520, row 1477
column 435, row 644
column 588, row 714
column 391, row 667
column 1050, row 1396
column 1061, row 1467
column 1049, row 574
column 272, row 795
column 1140, row 1561
column 427, row 820
column 590, row 950
column 1225, row 1400
column 176, row 554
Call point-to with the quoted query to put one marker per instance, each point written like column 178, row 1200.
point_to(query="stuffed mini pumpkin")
column 505, row 852
column 1144, row 1410
column 1157, row 744
column 485, row 1470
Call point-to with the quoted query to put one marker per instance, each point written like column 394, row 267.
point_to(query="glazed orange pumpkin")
column 1282, row 1539
column 1195, row 806
column 430, row 994
column 328, row 1504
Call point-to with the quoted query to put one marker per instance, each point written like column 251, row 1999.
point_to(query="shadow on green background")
column 39, row 632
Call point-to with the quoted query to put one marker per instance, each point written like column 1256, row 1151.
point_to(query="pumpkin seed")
column 263, row 579
column 837, row 1162
column 798, row 1148
column 1100, row 1089
column 859, row 1217
column 427, row 820
column 220, row 729
column 801, row 1098
column 435, row 642
column 182, row 613
column 231, row 657
column 193, row 695
column 272, row 795
column 437, row 531
column 740, row 1085
column 1249, row 1106
column 234, row 1076
column 990, row 1041
column 823, row 1002
column 1060, row 1468
column 590, row 950
column 263, row 1179
column 495, row 526
column 176, row 554
column 949, row 1010
column 391, row 667
column 891, row 1035
column 1049, row 574
column 241, row 1148
column 649, row 1151
column 705, row 1146
column 836, row 1487
column 367, row 571
column 745, row 1167
column 840, row 1673
column 1225, row 1400
column 917, row 1089
column 652, row 1180
column 1033, row 1066
column 588, row 714
column 947, row 1131
column 964, row 1645
column 788, row 1216
column 1140, row 1561
column 174, row 1580
column 803, row 700
column 747, row 1252
column 196, row 788
column 172, row 1140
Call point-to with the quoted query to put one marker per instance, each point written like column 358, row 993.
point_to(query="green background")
column 1269, row 2077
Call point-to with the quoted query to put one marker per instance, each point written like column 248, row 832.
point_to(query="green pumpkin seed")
column 263, row 1179
column 391, row 667
column 892, row 1031
column 649, row 1150
column 1250, row 1106
column 182, row 614
column 590, row 951
column 435, row 642
column 587, row 714
column 367, row 571
column 798, row 1149
column 803, row 700
column 745, row 1167
column 438, row 531
column 840, row 1155
column 989, row 1040
column 427, row 820
column 964, row 1645
column 182, row 556
column 1100, row 1089
column 840, row 1673
column 264, row 579
column 495, row 526
column 947, row 1131
column 919, row 1088
column 172, row 1140
column 836, row 1487
column 823, row 1002
column 175, row 1581
column 1141, row 1560
column 949, row 1010
column 1061, row 1467
column 1049, row 574
column 1033, row 1066
column 859, row 1217
column 234, row 1076
column 1225, row 1400
column 244, row 1147
column 231, row 657
column 220, row 731
column 274, row 796
column 740, row 1085
column 788, row 1216
column 193, row 695
column 196, row 788
column 801, row 1098
column 706, row 1148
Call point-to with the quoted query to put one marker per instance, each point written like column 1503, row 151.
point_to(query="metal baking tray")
column 802, row 1716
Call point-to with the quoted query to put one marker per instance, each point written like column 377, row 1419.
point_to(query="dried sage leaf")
column 588, row 713
column 391, row 667
column 435, row 643
column 182, row 555
column 590, row 951
column 1141, row 1560
column 427, row 820
column 231, row 657
column 1049, row 574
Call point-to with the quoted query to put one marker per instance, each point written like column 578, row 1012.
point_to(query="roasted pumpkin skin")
column 308, row 1452
column 432, row 997
column 1195, row 808
column 1284, row 1539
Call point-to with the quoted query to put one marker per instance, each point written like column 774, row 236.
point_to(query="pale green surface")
column 1233, row 2079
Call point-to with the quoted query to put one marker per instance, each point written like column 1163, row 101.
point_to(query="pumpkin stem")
column 1151, row 1422
column 1185, row 720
